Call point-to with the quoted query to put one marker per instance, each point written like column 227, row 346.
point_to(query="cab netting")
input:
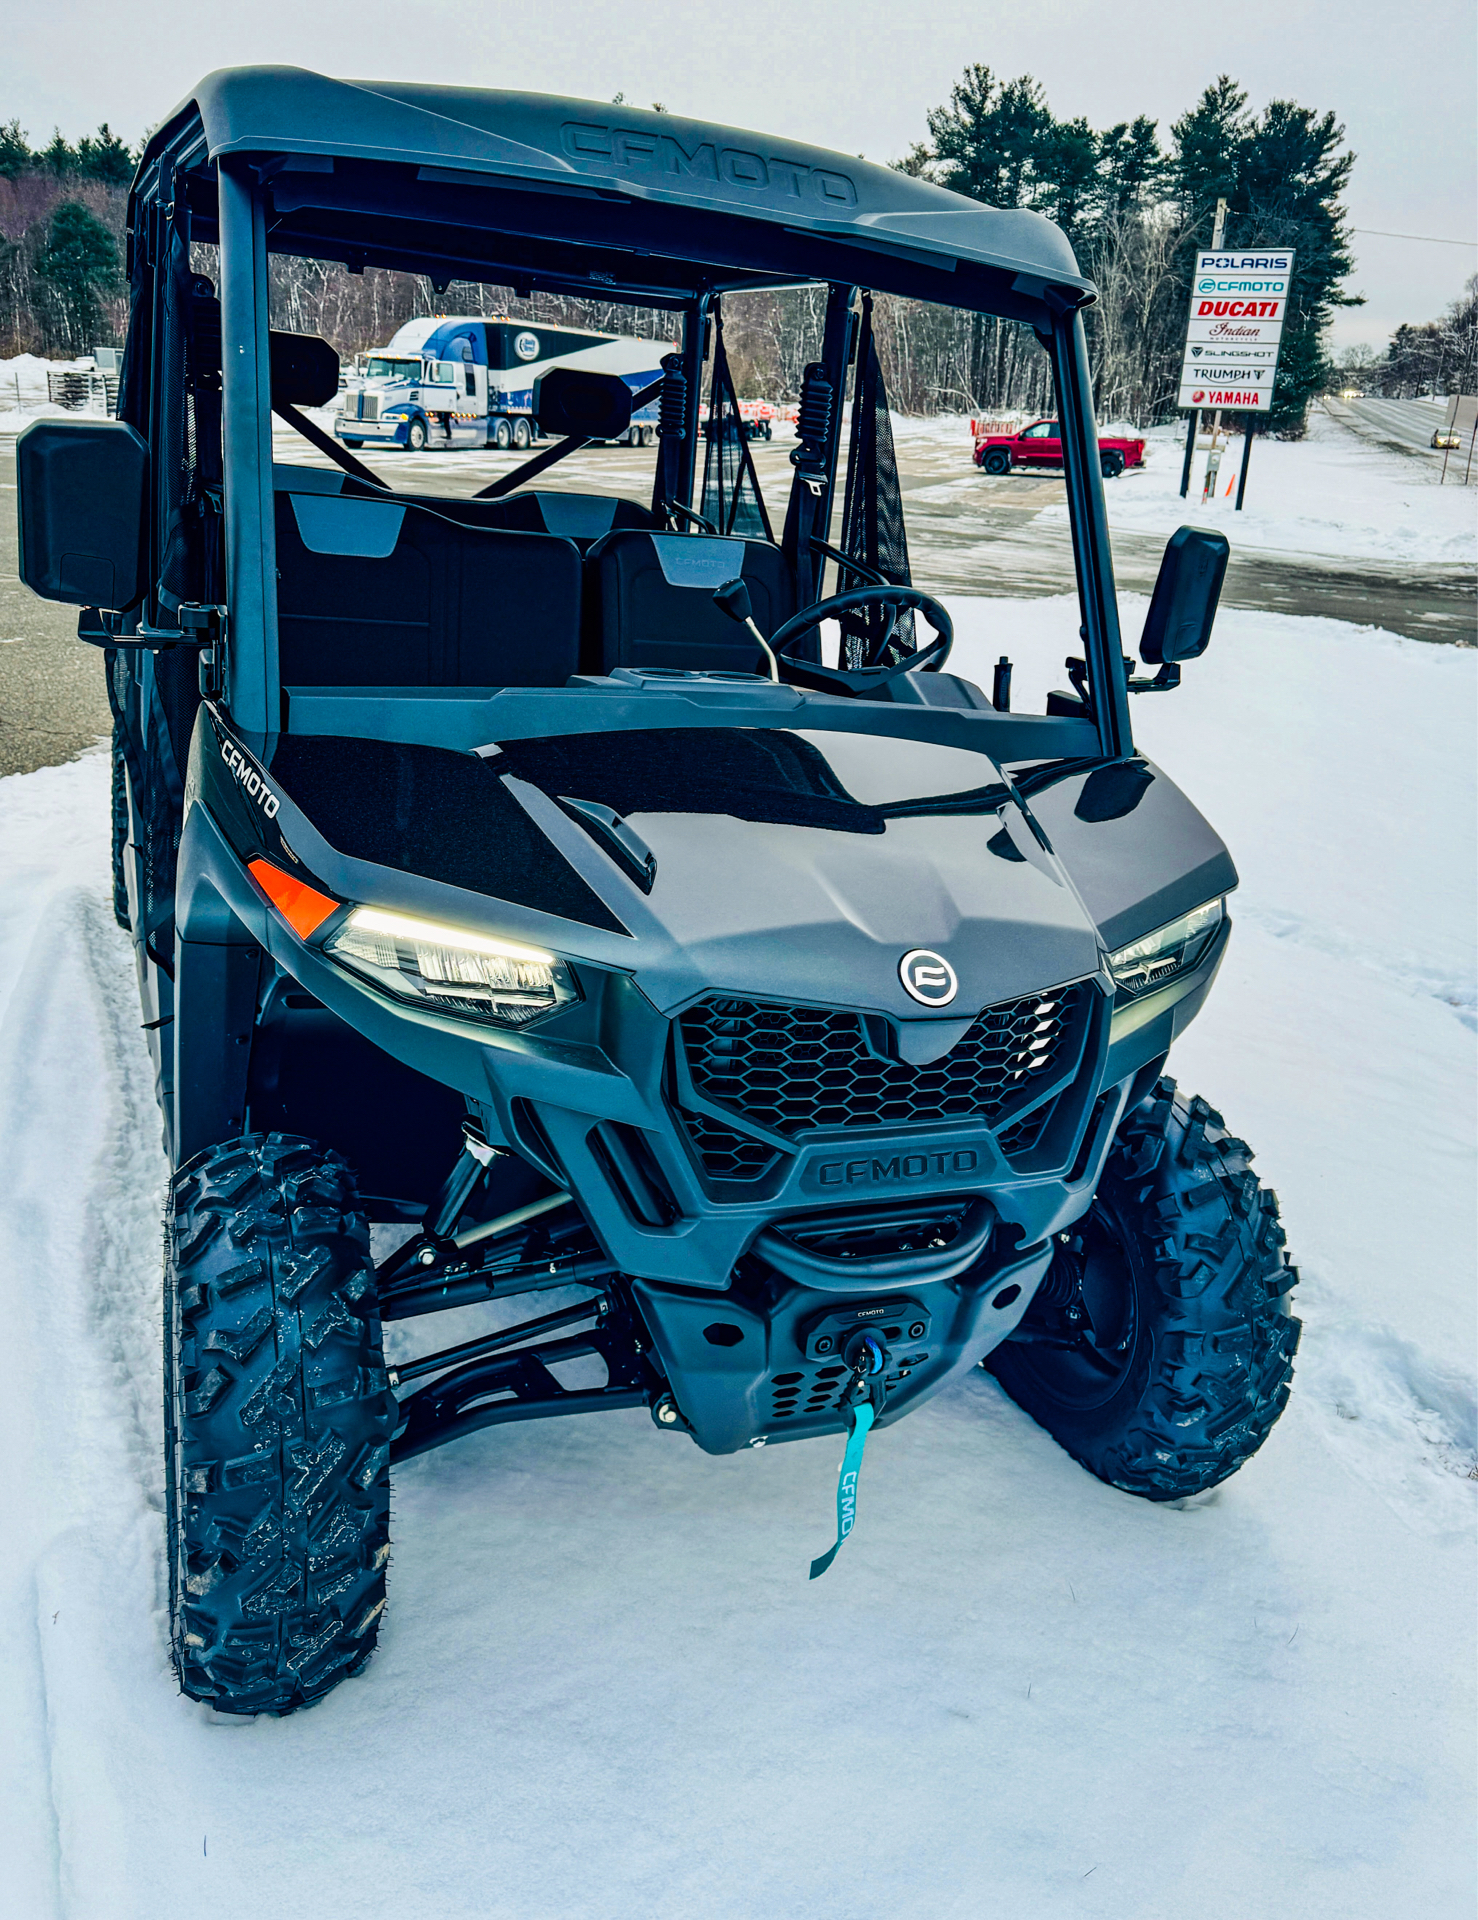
column 732, row 502
column 872, row 516
column 169, row 391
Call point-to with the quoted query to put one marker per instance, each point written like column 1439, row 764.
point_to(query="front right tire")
column 278, row 1418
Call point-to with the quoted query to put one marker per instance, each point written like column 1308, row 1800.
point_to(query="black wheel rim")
column 1089, row 1317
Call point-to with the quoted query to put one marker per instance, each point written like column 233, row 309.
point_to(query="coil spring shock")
column 672, row 407
column 814, row 416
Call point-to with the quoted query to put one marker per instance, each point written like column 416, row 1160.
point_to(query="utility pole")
column 1218, row 233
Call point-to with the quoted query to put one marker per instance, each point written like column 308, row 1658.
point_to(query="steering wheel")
column 861, row 682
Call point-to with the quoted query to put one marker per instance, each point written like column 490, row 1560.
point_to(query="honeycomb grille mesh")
column 727, row 1154
column 791, row 1069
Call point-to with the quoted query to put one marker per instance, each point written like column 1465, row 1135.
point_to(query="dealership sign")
column 1235, row 328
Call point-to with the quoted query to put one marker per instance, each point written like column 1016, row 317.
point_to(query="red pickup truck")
column 1040, row 445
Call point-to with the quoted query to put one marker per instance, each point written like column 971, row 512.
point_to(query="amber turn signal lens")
column 301, row 906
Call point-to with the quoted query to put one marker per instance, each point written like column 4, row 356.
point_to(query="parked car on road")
column 1040, row 445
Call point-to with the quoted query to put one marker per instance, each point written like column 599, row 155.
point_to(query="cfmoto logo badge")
column 928, row 978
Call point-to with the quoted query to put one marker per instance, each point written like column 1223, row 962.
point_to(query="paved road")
column 52, row 702
column 969, row 533
column 1406, row 425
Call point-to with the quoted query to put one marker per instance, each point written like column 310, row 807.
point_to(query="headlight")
column 1168, row 951
column 452, row 971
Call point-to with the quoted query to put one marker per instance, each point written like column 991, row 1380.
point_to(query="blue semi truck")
column 469, row 382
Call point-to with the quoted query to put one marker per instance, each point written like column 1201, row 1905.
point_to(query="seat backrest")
column 654, row 592
column 581, row 517
column 392, row 593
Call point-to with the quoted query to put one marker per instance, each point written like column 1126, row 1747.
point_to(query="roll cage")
column 573, row 198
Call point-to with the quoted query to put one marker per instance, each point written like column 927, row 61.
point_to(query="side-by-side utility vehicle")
column 587, row 891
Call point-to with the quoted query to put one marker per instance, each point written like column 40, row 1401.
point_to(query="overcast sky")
column 858, row 77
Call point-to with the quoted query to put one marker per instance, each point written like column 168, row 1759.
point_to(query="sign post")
column 1234, row 334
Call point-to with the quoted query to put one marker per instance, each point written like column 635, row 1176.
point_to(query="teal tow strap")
column 862, row 1419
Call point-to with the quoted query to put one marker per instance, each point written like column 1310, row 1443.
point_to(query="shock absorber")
column 672, row 406
column 814, row 417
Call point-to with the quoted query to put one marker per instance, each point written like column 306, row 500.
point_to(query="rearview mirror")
column 82, row 494
column 1183, row 606
column 572, row 404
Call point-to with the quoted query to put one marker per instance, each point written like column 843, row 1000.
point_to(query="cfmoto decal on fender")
column 251, row 781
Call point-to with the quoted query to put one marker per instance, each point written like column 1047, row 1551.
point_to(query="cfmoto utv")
column 520, row 868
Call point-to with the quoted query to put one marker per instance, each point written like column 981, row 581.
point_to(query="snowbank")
column 606, row 1687
column 23, row 390
column 1330, row 494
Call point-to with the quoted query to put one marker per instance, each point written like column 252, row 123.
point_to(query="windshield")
column 925, row 474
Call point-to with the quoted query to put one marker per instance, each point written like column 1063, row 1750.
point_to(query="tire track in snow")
column 1403, row 1422
column 81, row 1229
column 1397, row 969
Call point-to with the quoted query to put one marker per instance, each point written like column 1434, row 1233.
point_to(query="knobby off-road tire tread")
column 120, row 834
column 278, row 1419
column 1213, row 1375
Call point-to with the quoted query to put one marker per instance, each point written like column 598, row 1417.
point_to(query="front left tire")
column 278, row 1418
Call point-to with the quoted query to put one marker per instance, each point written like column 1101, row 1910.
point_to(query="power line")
column 1434, row 239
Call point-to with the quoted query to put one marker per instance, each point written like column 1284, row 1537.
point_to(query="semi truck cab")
column 469, row 382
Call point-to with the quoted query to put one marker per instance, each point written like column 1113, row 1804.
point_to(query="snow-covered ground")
column 605, row 1686
column 24, row 394
column 1331, row 495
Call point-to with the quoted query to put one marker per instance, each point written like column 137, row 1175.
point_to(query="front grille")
column 726, row 1154
column 808, row 1391
column 1023, row 1134
column 791, row 1069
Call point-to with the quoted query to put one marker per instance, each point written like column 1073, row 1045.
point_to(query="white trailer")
column 469, row 382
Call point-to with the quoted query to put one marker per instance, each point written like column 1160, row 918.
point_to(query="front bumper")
column 390, row 433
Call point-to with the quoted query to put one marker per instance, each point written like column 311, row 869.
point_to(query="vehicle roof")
column 663, row 168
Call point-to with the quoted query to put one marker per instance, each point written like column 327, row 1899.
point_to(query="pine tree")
column 15, row 153
column 106, row 158
column 79, row 261
column 1282, row 178
column 987, row 141
column 59, row 156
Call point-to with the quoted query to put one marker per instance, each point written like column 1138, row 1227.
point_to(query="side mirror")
column 82, row 489
column 1183, row 605
column 572, row 405
column 304, row 370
